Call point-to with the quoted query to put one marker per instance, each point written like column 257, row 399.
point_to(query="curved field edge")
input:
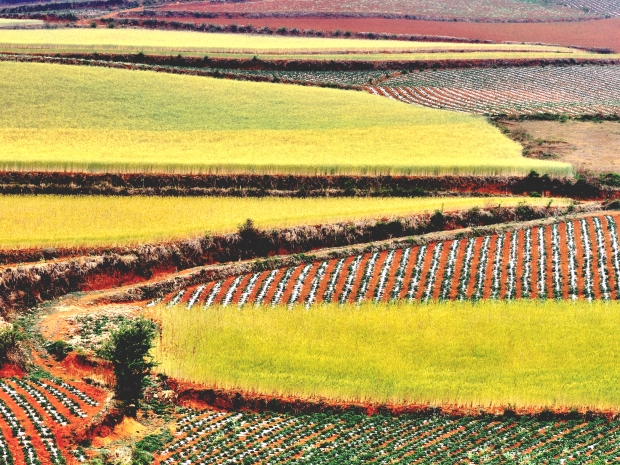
column 159, row 122
column 484, row 353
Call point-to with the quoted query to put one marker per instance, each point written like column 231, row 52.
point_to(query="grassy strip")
column 483, row 354
column 70, row 221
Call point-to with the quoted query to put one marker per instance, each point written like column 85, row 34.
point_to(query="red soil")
column 603, row 33
column 342, row 278
column 308, row 282
column 257, row 286
column 358, row 278
column 503, row 280
column 443, row 262
column 389, row 283
column 288, row 290
column 610, row 269
column 408, row 271
column 535, row 258
column 374, row 280
column 520, row 262
column 323, row 286
column 471, row 286
column 564, row 259
column 488, row 275
column 549, row 262
column 596, row 274
column 579, row 261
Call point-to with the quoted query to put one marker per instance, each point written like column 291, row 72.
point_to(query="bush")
column 10, row 344
column 59, row 349
column 611, row 179
column 128, row 350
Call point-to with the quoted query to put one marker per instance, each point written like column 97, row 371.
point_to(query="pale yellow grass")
column 145, row 39
column 10, row 22
column 79, row 118
column 524, row 353
column 65, row 221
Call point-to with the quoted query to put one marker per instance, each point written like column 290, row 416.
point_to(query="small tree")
column 128, row 351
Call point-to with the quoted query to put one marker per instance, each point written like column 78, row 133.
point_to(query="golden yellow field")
column 524, row 353
column 58, row 117
column 65, row 221
column 178, row 41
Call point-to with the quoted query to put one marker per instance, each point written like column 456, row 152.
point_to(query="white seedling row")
column 369, row 271
column 316, row 283
column 556, row 261
column 602, row 259
column 497, row 267
column 399, row 278
column 432, row 272
column 501, row 267
column 448, row 274
column 588, row 289
column 573, row 291
column 615, row 250
column 526, row 277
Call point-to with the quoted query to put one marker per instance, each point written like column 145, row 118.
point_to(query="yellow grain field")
column 58, row 117
column 65, row 221
column 487, row 353
column 178, row 41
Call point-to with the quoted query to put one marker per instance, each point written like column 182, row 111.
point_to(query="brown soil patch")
column 587, row 146
column 590, row 34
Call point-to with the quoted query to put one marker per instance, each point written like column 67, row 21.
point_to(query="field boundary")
column 180, row 64
column 159, row 288
column 75, row 183
column 231, row 400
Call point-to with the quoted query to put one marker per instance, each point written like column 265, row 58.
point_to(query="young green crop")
column 67, row 221
column 521, row 353
column 58, row 117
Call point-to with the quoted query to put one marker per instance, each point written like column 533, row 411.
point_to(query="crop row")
column 571, row 90
column 578, row 259
column 604, row 7
column 216, row 437
column 35, row 417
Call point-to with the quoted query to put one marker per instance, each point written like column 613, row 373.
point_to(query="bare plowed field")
column 571, row 90
column 578, row 259
column 478, row 9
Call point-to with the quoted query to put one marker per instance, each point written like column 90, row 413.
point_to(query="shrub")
column 611, row 179
column 128, row 350
column 59, row 349
column 10, row 344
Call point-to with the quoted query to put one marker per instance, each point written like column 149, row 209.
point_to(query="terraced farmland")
column 573, row 260
column 36, row 417
column 571, row 90
column 478, row 9
column 215, row 437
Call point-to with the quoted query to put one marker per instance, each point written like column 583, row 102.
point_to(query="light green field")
column 179, row 41
column 10, row 22
column 57, row 117
column 67, row 221
column 470, row 354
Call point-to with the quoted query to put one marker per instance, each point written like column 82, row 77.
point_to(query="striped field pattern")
column 578, row 259
column 241, row 437
column 570, row 90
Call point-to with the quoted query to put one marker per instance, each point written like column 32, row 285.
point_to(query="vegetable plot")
column 578, row 259
column 36, row 416
column 218, row 437
column 571, row 90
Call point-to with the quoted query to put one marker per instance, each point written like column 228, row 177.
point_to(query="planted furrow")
column 299, row 284
column 369, row 271
column 448, row 274
column 588, row 290
column 262, row 293
column 384, row 276
column 350, row 280
column 615, row 251
column 399, row 277
column 248, row 289
column 333, row 280
column 431, row 276
column 602, row 259
column 416, row 274
column 315, row 284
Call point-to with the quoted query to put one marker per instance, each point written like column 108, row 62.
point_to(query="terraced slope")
column 572, row 90
column 574, row 260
